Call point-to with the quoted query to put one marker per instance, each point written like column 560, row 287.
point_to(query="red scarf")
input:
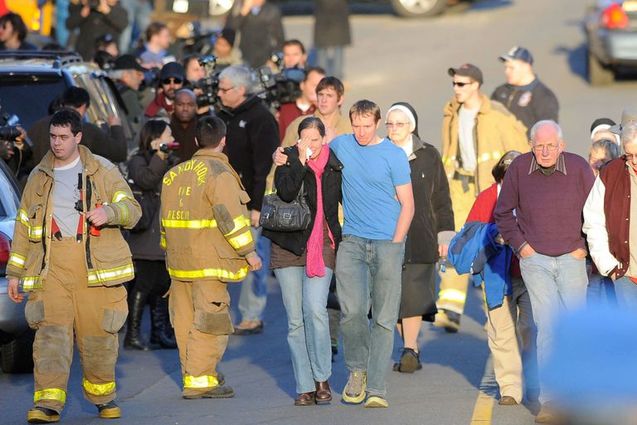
column 314, row 265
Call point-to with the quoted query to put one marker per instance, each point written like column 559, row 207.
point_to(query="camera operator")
column 171, row 79
column 294, row 54
column 15, row 150
column 252, row 136
column 128, row 75
column 109, row 143
column 195, row 75
column 183, row 123
column 304, row 104
column 94, row 18
column 13, row 32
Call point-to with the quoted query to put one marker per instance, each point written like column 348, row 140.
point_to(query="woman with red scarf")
column 304, row 261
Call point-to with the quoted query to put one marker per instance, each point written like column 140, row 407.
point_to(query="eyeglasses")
column 540, row 148
column 223, row 90
column 630, row 156
column 395, row 124
column 167, row 81
column 460, row 84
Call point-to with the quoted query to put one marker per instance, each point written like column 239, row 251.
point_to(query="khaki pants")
column 453, row 287
column 511, row 336
column 64, row 305
column 200, row 314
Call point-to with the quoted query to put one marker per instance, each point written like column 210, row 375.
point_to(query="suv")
column 16, row 339
column 30, row 81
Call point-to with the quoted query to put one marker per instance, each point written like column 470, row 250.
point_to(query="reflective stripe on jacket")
column 109, row 260
column 205, row 228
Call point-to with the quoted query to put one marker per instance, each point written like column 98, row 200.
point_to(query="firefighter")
column 205, row 230
column 68, row 253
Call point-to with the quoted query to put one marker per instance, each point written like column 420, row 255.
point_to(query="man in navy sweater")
column 539, row 214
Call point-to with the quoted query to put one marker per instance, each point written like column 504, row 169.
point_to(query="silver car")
column 16, row 339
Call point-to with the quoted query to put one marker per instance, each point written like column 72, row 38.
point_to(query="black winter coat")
column 432, row 202
column 252, row 136
column 145, row 172
column 287, row 181
column 95, row 25
column 261, row 34
column 331, row 23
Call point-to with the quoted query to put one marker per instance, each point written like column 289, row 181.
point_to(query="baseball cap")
column 519, row 53
column 467, row 70
column 127, row 62
column 172, row 70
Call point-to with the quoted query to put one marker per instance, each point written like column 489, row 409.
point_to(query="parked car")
column 405, row 8
column 16, row 338
column 611, row 33
column 31, row 80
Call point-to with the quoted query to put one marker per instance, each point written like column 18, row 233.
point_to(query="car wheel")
column 219, row 7
column 598, row 74
column 17, row 355
column 418, row 8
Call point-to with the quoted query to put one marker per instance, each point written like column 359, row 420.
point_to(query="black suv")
column 30, row 81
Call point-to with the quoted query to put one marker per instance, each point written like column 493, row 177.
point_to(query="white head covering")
column 407, row 112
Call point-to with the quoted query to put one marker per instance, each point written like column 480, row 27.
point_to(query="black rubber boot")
column 136, row 303
column 162, row 332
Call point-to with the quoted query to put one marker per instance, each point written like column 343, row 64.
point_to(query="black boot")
column 136, row 304
column 162, row 332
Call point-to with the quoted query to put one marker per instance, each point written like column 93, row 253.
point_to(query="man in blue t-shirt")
column 378, row 204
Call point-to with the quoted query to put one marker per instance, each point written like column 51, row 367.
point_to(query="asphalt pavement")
column 391, row 59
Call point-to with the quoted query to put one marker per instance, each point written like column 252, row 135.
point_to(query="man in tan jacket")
column 476, row 132
column 205, row 230
column 69, row 254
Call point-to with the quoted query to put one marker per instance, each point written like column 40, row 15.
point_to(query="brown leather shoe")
column 507, row 400
column 305, row 399
column 323, row 393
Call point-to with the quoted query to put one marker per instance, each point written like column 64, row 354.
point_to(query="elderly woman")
column 304, row 260
column 429, row 234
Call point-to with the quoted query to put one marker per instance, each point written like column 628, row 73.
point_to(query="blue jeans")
column 600, row 291
column 626, row 292
column 61, row 13
column 139, row 12
column 368, row 273
column 254, row 289
column 554, row 284
column 305, row 301
column 331, row 60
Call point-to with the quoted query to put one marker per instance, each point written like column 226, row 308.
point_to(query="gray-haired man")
column 252, row 136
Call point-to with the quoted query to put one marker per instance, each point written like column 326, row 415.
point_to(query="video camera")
column 9, row 126
column 209, row 85
column 284, row 87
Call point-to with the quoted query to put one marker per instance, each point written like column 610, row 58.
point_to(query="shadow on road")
column 576, row 58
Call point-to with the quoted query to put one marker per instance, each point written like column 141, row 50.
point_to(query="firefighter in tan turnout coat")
column 68, row 253
column 206, row 234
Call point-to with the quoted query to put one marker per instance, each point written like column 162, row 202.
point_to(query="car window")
column 40, row 91
column 9, row 200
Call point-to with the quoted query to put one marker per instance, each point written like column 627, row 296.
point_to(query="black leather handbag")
column 280, row 216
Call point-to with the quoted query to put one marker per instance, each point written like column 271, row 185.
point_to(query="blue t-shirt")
column 370, row 176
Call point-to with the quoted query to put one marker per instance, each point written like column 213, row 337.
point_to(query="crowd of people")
column 502, row 204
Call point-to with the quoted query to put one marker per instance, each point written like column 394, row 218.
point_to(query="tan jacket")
column 205, row 228
column 496, row 132
column 108, row 258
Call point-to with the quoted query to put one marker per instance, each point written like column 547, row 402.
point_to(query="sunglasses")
column 167, row 81
column 459, row 84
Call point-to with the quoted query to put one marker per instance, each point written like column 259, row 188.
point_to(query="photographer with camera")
column 252, row 136
column 94, row 18
column 109, row 143
column 183, row 123
column 202, row 78
column 304, row 104
column 15, row 150
column 171, row 79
